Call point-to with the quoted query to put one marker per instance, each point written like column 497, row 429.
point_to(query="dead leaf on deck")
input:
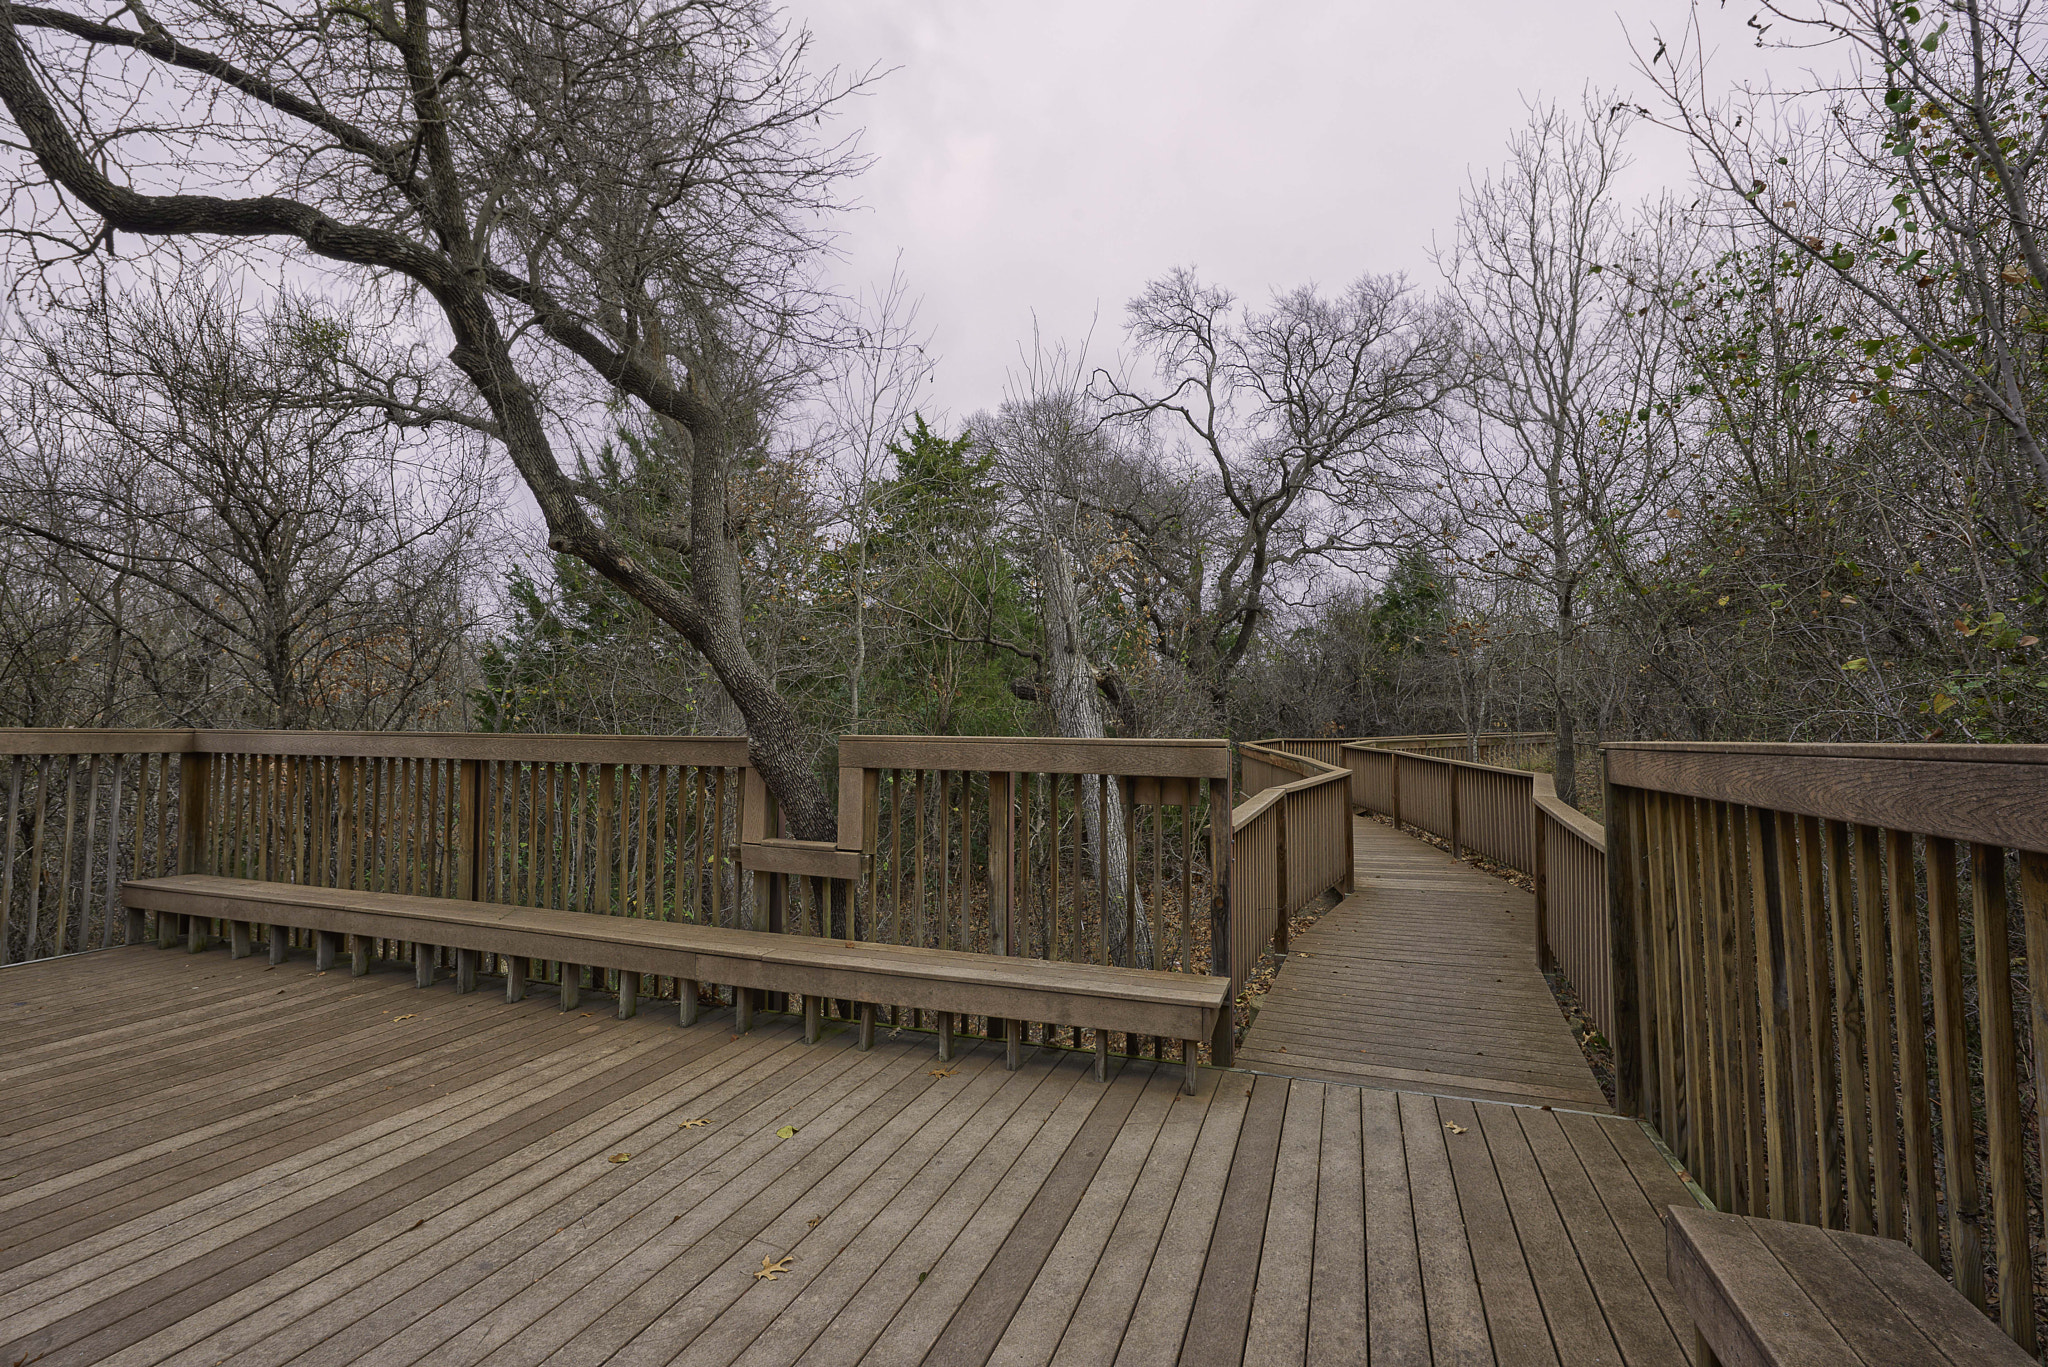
column 944, row 1072
column 1454, row 1127
column 406, row 1017
column 786, row 1132
column 813, row 1222
column 692, row 1124
column 772, row 1268
column 620, row 1157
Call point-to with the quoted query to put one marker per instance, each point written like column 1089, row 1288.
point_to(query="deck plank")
column 1423, row 979
column 356, row 1188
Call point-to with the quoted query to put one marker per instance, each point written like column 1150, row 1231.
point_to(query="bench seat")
column 1768, row 1292
column 1182, row 1006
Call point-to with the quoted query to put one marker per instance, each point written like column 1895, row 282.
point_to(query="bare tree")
column 600, row 203
column 264, row 560
column 1541, row 485
column 1282, row 424
column 1927, row 201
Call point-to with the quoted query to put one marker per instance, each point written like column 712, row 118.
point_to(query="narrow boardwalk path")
column 208, row 1161
column 1423, row 980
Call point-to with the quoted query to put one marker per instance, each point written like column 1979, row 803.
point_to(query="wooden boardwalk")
column 1424, row 979
column 207, row 1161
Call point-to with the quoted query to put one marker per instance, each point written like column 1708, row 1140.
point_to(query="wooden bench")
column 1768, row 1292
column 1182, row 1006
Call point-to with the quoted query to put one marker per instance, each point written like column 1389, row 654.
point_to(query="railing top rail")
column 1304, row 765
column 1250, row 809
column 1562, row 812
column 724, row 751
column 1453, row 763
column 1443, row 737
column 1987, row 794
column 1901, row 751
column 1040, row 755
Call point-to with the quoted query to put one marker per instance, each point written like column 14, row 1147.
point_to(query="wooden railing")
column 1514, row 818
column 1078, row 851
column 1820, row 1004
column 1512, row 749
column 1293, row 844
column 630, row 826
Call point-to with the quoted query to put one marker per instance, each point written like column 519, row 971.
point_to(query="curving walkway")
column 1423, row 980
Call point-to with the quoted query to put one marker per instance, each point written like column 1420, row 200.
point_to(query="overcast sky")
column 1052, row 156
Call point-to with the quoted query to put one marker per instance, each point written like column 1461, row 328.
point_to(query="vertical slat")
column 1889, row 1214
column 1916, row 1112
column 92, row 821
column 112, row 898
column 1820, row 1023
column 35, row 860
column 1852, row 1031
column 1723, row 1043
column 7, row 873
column 603, row 854
column 1798, row 981
column 1744, row 908
column 716, row 864
column 2002, row 1111
column 1782, row 1083
column 1958, row 1137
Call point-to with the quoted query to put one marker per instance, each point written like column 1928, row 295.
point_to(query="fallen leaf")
column 620, row 1157
column 786, row 1132
column 406, row 1017
column 944, row 1072
column 771, row 1268
column 692, row 1124
column 814, row 1221
column 1454, row 1127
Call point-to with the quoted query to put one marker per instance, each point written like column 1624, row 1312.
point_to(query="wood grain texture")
column 1421, row 980
column 393, row 1176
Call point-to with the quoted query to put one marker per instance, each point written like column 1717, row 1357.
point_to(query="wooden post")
column 1222, row 857
column 323, row 950
column 1102, row 1055
column 238, row 939
column 280, row 944
column 1394, row 784
column 814, row 1017
column 629, row 994
column 572, row 986
column 1457, row 827
column 1013, row 1045
column 867, row 1026
column 469, row 776
column 945, row 1036
column 465, row 969
column 515, row 978
column 743, row 1008
column 1621, row 940
column 423, row 965
column 1540, row 877
column 1280, row 825
column 687, row 1007
column 359, row 956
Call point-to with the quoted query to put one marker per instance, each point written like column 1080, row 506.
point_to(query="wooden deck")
column 210, row 1161
column 1424, row 979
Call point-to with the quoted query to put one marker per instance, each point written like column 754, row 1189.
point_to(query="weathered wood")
column 1989, row 794
column 2003, row 1114
column 1952, row 1083
column 1771, row 1294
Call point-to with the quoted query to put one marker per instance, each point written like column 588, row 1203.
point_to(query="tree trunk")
column 1077, row 713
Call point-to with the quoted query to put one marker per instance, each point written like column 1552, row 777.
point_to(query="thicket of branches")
column 1760, row 458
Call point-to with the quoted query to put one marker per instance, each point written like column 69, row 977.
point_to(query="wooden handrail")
column 1789, row 931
